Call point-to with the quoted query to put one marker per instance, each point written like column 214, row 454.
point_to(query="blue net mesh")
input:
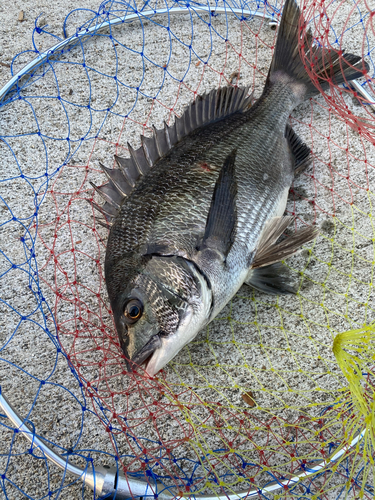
column 258, row 397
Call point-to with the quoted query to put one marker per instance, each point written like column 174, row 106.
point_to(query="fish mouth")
column 143, row 355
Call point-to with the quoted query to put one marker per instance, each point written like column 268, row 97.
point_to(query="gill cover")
column 162, row 296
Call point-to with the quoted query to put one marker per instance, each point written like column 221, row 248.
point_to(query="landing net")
column 274, row 386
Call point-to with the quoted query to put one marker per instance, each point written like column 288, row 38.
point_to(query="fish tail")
column 319, row 67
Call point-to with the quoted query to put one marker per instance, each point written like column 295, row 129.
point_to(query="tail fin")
column 327, row 65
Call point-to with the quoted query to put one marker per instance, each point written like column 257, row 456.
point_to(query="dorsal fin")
column 206, row 109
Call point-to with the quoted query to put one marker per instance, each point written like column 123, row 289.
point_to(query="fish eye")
column 133, row 310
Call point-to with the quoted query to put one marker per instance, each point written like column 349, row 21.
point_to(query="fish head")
column 162, row 309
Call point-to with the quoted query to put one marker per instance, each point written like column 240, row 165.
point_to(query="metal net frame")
column 275, row 398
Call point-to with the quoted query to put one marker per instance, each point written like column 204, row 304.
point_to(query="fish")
column 198, row 210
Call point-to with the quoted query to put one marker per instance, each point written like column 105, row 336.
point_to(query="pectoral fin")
column 267, row 274
column 222, row 217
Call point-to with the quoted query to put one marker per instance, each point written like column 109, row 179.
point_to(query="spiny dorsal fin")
column 206, row 109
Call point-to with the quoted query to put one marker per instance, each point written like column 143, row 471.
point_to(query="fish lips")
column 145, row 352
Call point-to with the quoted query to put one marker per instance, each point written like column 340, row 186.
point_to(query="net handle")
column 108, row 480
column 369, row 101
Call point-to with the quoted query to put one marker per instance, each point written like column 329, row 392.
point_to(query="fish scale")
column 250, row 170
column 197, row 211
column 187, row 181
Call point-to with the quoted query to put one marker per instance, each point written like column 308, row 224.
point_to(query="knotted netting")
column 275, row 387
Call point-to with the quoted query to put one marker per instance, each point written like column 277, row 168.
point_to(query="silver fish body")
column 207, row 216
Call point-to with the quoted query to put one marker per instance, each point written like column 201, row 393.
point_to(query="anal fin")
column 267, row 274
column 269, row 251
column 274, row 279
column 300, row 151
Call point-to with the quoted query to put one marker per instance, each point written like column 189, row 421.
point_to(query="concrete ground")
column 262, row 377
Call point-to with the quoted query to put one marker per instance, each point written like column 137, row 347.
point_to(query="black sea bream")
column 196, row 212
